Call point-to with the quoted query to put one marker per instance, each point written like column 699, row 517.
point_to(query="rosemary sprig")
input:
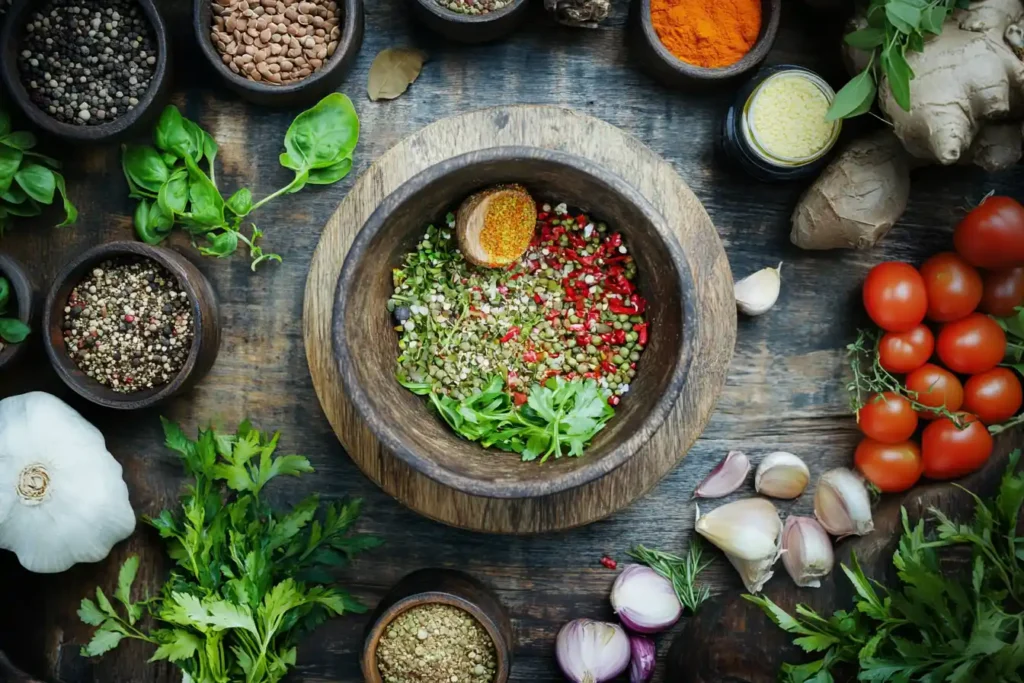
column 682, row 572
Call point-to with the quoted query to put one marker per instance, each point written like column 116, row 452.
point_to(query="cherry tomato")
column 895, row 296
column 994, row 396
column 949, row 452
column 1003, row 291
column 953, row 286
column 888, row 418
column 892, row 467
column 903, row 352
column 935, row 387
column 972, row 345
column 992, row 235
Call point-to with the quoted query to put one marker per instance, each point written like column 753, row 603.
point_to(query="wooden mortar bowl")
column 446, row 587
column 145, row 112
column 469, row 28
column 305, row 92
column 366, row 344
column 24, row 299
column 205, row 342
column 672, row 71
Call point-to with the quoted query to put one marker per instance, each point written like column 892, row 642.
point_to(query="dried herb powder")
column 436, row 643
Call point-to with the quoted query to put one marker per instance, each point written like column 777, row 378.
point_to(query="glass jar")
column 749, row 148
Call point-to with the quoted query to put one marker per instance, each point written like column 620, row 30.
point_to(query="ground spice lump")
column 129, row 325
column 436, row 644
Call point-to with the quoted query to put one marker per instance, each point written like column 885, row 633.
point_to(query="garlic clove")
column 755, row 574
column 842, row 504
column 781, row 475
column 757, row 293
column 748, row 529
column 726, row 477
column 806, row 551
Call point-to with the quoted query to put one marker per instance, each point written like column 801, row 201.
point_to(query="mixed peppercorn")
column 569, row 308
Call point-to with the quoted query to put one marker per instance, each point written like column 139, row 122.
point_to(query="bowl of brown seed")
column 280, row 52
column 128, row 325
column 471, row 21
column 438, row 625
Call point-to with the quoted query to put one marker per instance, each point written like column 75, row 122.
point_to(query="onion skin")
column 591, row 651
column 644, row 600
column 642, row 657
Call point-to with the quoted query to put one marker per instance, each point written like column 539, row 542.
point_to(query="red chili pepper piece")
column 530, row 357
column 608, row 367
column 515, row 277
column 577, row 327
column 538, row 298
column 613, row 401
column 519, row 398
column 510, row 334
column 583, row 340
column 641, row 333
column 614, row 240
column 618, row 337
column 609, row 562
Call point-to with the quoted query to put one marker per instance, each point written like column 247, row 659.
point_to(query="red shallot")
column 643, row 655
column 591, row 651
column 644, row 600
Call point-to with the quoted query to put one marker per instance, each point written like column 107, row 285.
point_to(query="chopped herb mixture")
column 529, row 358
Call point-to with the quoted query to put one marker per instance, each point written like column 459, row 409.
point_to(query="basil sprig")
column 12, row 330
column 894, row 28
column 175, row 180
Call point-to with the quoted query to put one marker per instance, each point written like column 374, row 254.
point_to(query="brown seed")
column 320, row 33
column 276, row 38
column 286, row 65
column 231, row 23
column 225, row 58
column 303, row 19
column 237, row 35
column 331, row 48
column 252, row 32
column 269, row 3
column 275, row 49
column 300, row 62
column 335, row 33
column 305, row 7
column 293, row 43
column 291, row 15
column 293, row 29
column 260, row 56
column 273, row 60
column 316, row 63
column 265, row 35
column 250, row 50
column 302, row 73
column 233, row 67
column 247, row 39
column 294, row 52
column 263, row 68
column 272, row 11
column 262, row 23
column 274, row 78
column 255, row 75
column 259, row 12
column 321, row 52
column 274, row 68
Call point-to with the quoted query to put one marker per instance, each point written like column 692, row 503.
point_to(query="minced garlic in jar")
column 785, row 118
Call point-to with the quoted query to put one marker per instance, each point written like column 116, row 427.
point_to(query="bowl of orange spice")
column 701, row 42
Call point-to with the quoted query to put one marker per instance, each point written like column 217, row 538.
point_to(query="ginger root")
column 857, row 199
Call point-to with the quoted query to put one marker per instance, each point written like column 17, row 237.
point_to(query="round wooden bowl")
column 144, row 113
column 205, row 343
column 667, row 68
column 366, row 345
column 304, row 92
column 23, row 296
column 466, row 28
column 446, row 587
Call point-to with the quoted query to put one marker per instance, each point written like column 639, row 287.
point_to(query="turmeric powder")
column 708, row 33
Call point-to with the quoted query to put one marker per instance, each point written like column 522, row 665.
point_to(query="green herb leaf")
column 855, row 97
column 865, row 39
column 178, row 645
column 898, row 75
column 904, row 16
column 90, row 614
column 240, row 203
column 20, row 140
column 37, row 181
column 174, row 194
column 70, row 212
column 222, row 244
column 171, row 136
column 324, row 135
column 13, row 331
column 331, row 174
column 125, row 579
column 103, row 641
column 10, row 161
column 5, row 294
column 144, row 167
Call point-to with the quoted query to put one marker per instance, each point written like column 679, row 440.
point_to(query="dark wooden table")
column 785, row 389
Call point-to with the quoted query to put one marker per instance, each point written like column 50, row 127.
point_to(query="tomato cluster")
column 965, row 379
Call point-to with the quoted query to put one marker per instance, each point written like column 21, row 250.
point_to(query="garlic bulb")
column 62, row 499
column 781, row 475
column 757, row 293
column 842, row 504
column 806, row 551
column 749, row 532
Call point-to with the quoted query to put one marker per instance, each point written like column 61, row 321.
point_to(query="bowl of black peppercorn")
column 86, row 71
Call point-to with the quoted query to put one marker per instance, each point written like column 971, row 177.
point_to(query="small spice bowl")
column 441, row 587
column 22, row 307
column 470, row 28
column 205, row 314
column 142, row 114
column 301, row 92
column 672, row 71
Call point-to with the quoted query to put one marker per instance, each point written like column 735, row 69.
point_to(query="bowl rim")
column 757, row 53
column 202, row 9
column 469, row 19
column 24, row 296
column 10, row 36
column 386, row 432
column 54, row 341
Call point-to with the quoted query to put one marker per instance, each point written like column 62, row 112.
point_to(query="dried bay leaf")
column 393, row 71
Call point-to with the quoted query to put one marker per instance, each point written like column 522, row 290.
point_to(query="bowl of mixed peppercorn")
column 523, row 379
column 129, row 325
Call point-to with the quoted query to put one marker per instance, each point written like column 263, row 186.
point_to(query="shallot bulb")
column 644, row 600
column 591, row 651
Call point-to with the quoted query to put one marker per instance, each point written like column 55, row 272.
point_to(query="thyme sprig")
column 681, row 571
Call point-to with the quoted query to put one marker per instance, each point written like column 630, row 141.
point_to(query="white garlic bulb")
column 62, row 499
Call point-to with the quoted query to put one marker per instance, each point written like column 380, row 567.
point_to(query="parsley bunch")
column 937, row 624
column 238, row 601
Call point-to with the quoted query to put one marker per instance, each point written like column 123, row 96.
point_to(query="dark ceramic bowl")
column 465, row 28
column 667, row 68
column 144, row 113
column 366, row 345
column 304, row 92
column 24, row 307
column 205, row 344
column 444, row 587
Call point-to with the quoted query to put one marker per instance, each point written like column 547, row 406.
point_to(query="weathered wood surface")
column 710, row 329
column 784, row 391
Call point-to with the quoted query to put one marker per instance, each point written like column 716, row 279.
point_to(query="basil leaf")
column 222, row 244
column 301, row 178
column 144, row 166
column 171, row 135
column 287, row 161
column 151, row 223
column 866, row 38
column 903, row 16
column 37, row 181
column 70, row 212
column 240, row 203
column 5, row 123
column 207, row 206
column 331, row 174
column 13, row 331
column 855, row 98
column 22, row 140
column 197, row 139
column 27, row 210
column 169, row 159
column 173, row 195
column 210, row 148
column 933, row 18
column 898, row 75
column 14, row 195
column 324, row 135
column 10, row 161
column 5, row 294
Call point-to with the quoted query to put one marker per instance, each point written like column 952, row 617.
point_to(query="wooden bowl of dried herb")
column 578, row 447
